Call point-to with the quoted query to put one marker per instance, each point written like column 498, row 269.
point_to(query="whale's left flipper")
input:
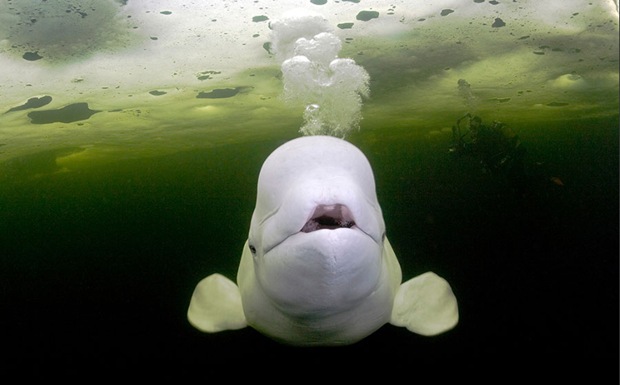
column 425, row 305
column 216, row 305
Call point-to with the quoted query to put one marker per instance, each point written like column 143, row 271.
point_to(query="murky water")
column 99, row 265
column 120, row 190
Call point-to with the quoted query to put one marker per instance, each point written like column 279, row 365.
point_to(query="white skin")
column 317, row 268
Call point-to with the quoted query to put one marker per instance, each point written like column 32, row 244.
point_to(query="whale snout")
column 329, row 217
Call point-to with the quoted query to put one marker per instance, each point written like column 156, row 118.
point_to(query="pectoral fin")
column 216, row 305
column 425, row 305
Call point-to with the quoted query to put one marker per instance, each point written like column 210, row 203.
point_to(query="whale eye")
column 252, row 249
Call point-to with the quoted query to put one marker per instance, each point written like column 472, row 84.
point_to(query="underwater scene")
column 133, row 134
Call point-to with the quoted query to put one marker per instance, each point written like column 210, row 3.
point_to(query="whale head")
column 317, row 232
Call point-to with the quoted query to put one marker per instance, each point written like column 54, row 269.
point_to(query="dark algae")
column 34, row 102
column 68, row 114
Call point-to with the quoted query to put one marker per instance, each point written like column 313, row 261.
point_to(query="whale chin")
column 321, row 271
column 329, row 217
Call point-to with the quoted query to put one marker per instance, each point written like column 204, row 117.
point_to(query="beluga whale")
column 317, row 268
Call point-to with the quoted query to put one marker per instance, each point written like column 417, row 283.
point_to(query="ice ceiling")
column 131, row 78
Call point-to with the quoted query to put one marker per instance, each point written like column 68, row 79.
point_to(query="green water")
column 191, row 198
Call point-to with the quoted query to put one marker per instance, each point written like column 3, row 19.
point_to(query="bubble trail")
column 328, row 88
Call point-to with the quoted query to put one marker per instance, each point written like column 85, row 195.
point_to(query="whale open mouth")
column 329, row 217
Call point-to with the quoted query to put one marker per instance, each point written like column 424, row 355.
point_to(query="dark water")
column 98, row 265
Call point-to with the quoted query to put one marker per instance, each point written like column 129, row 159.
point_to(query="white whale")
column 317, row 268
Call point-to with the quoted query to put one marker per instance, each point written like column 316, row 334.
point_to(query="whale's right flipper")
column 216, row 305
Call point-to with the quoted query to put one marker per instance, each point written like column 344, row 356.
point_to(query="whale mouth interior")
column 329, row 217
